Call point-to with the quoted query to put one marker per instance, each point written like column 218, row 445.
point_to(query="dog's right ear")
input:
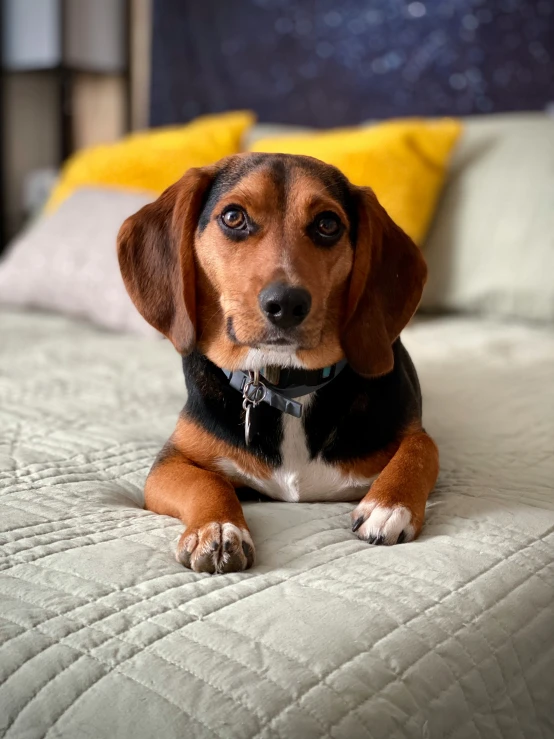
column 156, row 256
column 386, row 285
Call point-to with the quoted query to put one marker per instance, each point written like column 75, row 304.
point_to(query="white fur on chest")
column 299, row 478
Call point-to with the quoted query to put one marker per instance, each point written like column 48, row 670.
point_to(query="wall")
column 97, row 96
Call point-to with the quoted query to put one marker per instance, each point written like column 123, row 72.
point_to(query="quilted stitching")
column 449, row 637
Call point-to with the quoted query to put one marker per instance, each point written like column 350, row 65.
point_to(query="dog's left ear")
column 386, row 285
column 156, row 257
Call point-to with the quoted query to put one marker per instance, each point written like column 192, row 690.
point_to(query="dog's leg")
column 216, row 538
column 394, row 509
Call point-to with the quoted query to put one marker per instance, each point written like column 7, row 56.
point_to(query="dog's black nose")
column 285, row 306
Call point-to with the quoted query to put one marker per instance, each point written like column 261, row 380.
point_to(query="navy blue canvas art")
column 324, row 63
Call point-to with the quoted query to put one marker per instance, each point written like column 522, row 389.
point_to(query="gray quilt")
column 104, row 635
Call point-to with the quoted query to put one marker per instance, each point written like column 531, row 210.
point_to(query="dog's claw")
column 376, row 540
column 184, row 557
column 357, row 523
column 248, row 553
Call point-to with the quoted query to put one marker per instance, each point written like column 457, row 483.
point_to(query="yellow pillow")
column 404, row 161
column 153, row 160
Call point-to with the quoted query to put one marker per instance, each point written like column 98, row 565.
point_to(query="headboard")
column 323, row 63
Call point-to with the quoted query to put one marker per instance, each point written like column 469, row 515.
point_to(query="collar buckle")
column 295, row 384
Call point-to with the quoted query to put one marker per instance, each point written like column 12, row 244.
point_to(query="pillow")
column 491, row 247
column 260, row 131
column 67, row 262
column 153, row 160
column 404, row 161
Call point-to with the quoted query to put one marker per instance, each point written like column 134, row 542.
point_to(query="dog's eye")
column 327, row 226
column 234, row 218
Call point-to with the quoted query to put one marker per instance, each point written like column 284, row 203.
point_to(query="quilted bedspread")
column 103, row 635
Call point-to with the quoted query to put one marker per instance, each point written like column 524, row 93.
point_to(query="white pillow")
column 491, row 246
column 67, row 261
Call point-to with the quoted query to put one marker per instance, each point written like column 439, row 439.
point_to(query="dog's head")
column 272, row 259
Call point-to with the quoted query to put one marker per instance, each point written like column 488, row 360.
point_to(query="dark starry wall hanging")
column 323, row 63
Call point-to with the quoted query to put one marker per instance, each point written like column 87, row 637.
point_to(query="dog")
column 285, row 289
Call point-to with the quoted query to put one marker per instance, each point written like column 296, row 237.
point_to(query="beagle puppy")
column 285, row 289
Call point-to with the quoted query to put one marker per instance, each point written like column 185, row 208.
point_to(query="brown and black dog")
column 276, row 264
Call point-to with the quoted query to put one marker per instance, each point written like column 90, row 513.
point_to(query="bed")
column 103, row 634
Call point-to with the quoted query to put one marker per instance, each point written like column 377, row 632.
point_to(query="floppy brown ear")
column 386, row 284
column 156, row 256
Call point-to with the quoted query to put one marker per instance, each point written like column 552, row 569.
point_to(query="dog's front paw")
column 381, row 524
column 216, row 548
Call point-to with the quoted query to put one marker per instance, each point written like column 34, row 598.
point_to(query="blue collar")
column 293, row 383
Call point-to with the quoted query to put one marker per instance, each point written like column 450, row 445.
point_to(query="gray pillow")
column 490, row 249
column 268, row 130
column 67, row 261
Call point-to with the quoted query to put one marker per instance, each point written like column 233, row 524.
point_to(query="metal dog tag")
column 248, row 430
column 253, row 394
